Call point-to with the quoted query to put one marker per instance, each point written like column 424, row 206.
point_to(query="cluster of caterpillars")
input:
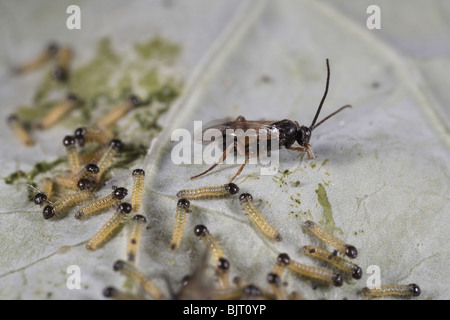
column 243, row 289
column 60, row 55
column 63, row 56
column 79, row 187
column 80, row 184
column 336, row 263
column 84, row 179
column 91, row 151
column 99, row 131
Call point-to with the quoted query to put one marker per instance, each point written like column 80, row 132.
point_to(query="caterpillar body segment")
column 19, row 130
column 209, row 192
column 66, row 201
column 113, row 224
column 134, row 239
column 408, row 290
column 138, row 188
column 249, row 207
column 129, row 270
column 331, row 258
column 325, row 236
column 114, row 198
column 180, row 223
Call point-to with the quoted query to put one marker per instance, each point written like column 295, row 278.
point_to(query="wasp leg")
column 224, row 155
column 306, row 149
column 240, row 169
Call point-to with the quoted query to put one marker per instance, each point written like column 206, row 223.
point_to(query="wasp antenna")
column 323, row 98
column 329, row 116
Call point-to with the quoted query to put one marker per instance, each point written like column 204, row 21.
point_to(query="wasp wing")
column 233, row 130
column 199, row 133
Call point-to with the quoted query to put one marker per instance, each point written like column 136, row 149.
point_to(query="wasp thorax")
column 286, row 132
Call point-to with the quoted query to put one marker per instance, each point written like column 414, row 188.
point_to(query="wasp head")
column 303, row 136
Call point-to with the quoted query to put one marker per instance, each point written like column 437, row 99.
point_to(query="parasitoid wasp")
column 286, row 131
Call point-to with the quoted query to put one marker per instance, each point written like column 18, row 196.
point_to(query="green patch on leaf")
column 327, row 215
